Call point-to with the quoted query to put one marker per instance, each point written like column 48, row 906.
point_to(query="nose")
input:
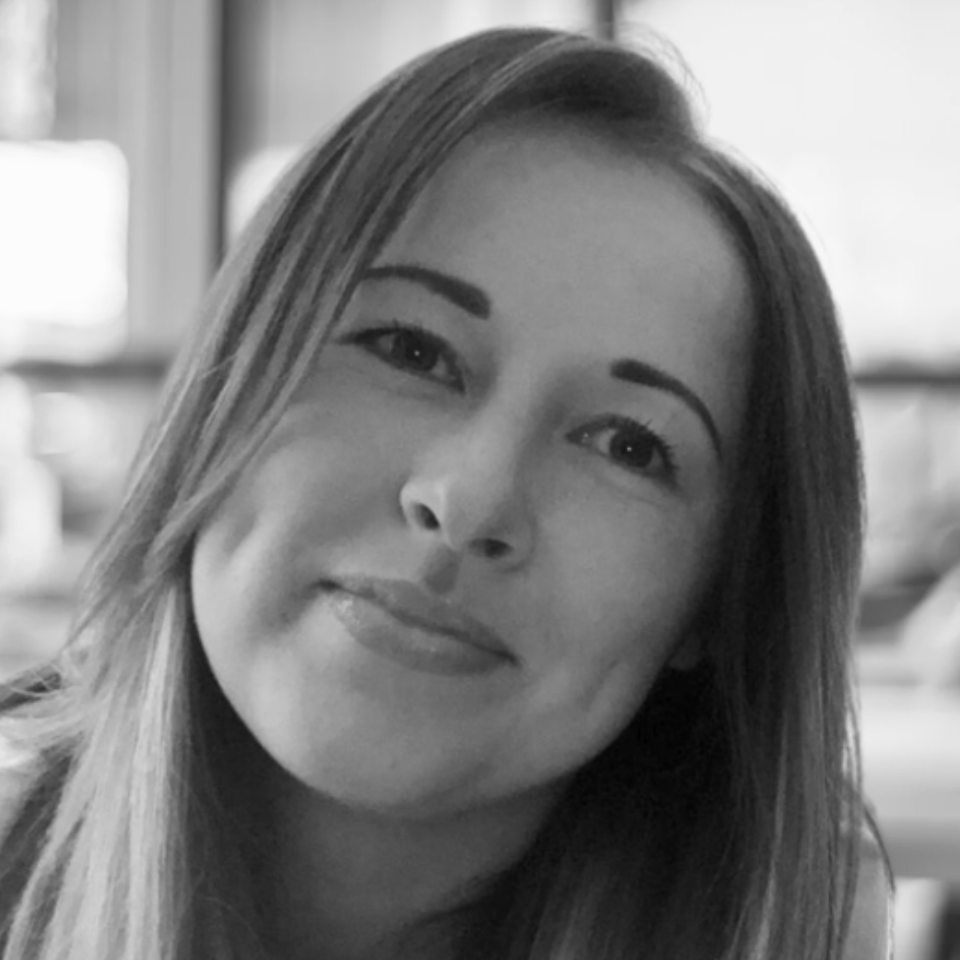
column 469, row 492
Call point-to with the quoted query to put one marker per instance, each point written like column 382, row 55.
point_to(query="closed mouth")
column 418, row 608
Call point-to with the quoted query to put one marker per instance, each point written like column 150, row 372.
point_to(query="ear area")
column 688, row 655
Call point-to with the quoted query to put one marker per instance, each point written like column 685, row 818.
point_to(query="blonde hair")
column 722, row 824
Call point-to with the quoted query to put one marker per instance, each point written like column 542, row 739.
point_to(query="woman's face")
column 485, row 524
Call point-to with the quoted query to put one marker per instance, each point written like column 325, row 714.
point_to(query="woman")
column 485, row 583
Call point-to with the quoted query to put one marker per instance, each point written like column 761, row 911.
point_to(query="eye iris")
column 414, row 352
column 632, row 448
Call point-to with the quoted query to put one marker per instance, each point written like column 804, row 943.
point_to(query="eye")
column 414, row 350
column 629, row 445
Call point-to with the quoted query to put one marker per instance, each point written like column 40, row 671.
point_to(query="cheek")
column 320, row 477
column 629, row 577
column 623, row 595
column 608, row 667
column 310, row 488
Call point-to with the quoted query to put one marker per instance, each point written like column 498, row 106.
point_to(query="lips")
column 406, row 623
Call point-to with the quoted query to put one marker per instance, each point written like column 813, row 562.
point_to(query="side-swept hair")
column 721, row 824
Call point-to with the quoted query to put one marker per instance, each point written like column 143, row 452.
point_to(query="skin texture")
column 487, row 472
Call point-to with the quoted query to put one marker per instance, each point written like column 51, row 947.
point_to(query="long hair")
column 722, row 823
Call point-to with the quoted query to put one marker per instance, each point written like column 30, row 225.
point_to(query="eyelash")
column 367, row 340
column 667, row 470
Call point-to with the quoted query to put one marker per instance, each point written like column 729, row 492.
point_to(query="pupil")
column 414, row 353
column 632, row 449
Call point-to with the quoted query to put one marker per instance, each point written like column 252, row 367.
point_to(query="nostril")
column 426, row 517
column 494, row 549
column 423, row 517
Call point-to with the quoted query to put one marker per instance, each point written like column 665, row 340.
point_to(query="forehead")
column 585, row 242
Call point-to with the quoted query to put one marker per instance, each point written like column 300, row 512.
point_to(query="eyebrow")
column 647, row 375
column 460, row 293
column 471, row 299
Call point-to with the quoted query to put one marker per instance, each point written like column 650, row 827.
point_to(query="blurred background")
column 136, row 137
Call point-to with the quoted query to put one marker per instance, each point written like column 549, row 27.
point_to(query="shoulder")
column 871, row 923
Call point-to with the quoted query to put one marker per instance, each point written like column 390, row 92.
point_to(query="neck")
column 350, row 884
